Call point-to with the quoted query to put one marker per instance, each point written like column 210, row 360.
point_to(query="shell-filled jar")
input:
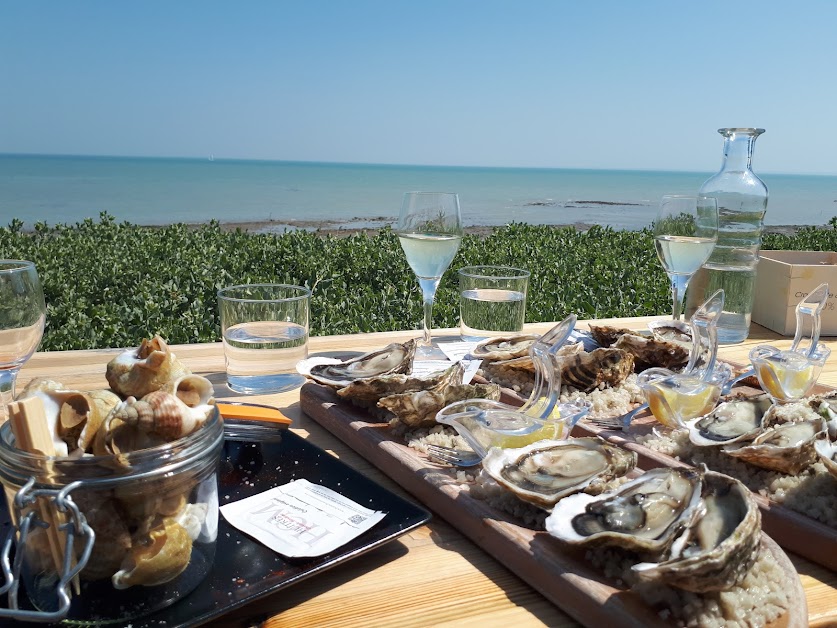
column 153, row 514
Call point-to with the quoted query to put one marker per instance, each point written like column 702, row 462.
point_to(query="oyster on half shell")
column 394, row 358
column 653, row 352
column 827, row 451
column 717, row 550
column 548, row 470
column 587, row 371
column 504, row 347
column 368, row 391
column 788, row 447
column 737, row 418
column 643, row 515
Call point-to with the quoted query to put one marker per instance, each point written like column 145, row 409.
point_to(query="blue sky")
column 629, row 84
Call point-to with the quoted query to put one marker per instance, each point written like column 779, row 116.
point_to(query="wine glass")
column 22, row 318
column 430, row 231
column 685, row 233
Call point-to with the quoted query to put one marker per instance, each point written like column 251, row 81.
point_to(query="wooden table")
column 433, row 575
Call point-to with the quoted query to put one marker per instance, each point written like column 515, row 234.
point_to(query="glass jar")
column 742, row 203
column 154, row 513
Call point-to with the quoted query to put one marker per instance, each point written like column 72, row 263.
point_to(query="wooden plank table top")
column 433, row 575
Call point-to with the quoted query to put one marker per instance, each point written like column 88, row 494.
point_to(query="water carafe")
column 742, row 202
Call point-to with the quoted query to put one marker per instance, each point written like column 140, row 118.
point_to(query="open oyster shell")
column 643, row 515
column 717, row 550
column 788, row 447
column 504, row 347
column 827, row 452
column 605, row 336
column 653, row 352
column 367, row 392
column 737, row 418
column 394, row 358
column 548, row 470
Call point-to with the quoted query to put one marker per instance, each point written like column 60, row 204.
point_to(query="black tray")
column 257, row 457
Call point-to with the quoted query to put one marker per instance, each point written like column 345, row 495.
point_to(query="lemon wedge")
column 551, row 430
column 673, row 403
column 785, row 381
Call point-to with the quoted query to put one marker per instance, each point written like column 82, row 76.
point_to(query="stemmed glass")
column 430, row 231
column 22, row 318
column 685, row 233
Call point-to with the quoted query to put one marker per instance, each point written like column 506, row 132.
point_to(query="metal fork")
column 624, row 421
column 454, row 457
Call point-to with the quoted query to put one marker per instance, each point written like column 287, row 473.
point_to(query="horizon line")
column 213, row 158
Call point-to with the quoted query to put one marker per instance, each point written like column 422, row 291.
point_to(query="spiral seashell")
column 82, row 414
column 193, row 390
column 160, row 413
column 151, row 366
column 156, row 559
column 113, row 541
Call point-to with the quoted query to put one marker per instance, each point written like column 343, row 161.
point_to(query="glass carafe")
column 742, row 202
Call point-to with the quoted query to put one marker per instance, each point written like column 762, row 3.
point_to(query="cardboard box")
column 784, row 278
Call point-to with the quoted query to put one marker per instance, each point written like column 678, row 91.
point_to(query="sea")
column 307, row 195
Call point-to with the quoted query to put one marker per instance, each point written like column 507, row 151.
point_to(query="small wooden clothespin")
column 32, row 434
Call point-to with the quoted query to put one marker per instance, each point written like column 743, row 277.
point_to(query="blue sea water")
column 154, row 191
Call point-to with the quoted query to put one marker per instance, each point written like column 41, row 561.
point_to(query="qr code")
column 356, row 519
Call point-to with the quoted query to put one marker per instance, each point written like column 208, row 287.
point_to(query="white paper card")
column 457, row 350
column 301, row 519
column 422, row 368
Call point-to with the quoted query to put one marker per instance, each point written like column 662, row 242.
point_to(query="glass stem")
column 428, row 291
column 678, row 291
column 7, row 392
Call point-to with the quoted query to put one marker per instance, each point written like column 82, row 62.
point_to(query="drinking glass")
column 685, row 233
column 22, row 318
column 430, row 231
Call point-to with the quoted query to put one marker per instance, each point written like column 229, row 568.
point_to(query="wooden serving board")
column 559, row 573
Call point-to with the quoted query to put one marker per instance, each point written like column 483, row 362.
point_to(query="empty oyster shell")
column 367, row 392
column 504, row 347
column 160, row 557
column 394, row 358
column 548, row 470
column 717, row 550
column 643, row 515
column 137, row 372
column 788, row 447
column 737, row 418
column 418, row 409
column 605, row 335
column 652, row 352
column 587, row 371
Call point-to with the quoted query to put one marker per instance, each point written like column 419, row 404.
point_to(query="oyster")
column 738, row 418
column 788, row 447
column 605, row 336
column 644, row 514
column 547, row 470
column 367, row 392
column 394, row 358
column 419, row 408
column 677, row 332
column 587, row 371
column 717, row 550
column 652, row 352
column 137, row 372
column 827, row 452
column 504, row 347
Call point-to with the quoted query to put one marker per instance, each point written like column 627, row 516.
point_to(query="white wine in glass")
column 685, row 233
column 430, row 231
column 22, row 319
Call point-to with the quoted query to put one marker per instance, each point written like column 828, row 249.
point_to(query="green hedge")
column 110, row 284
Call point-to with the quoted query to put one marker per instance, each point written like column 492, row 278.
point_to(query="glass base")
column 264, row 384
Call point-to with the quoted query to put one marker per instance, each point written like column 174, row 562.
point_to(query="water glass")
column 264, row 328
column 492, row 301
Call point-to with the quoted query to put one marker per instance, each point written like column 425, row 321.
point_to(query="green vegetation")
column 110, row 284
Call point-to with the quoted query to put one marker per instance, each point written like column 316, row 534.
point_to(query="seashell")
column 82, row 414
column 113, row 541
column 827, row 452
column 52, row 394
column 160, row 413
column 394, row 358
column 367, row 392
column 504, row 347
column 192, row 518
column 587, row 371
column 157, row 558
column 652, row 352
column 739, row 417
column 605, row 335
column 151, row 366
column 193, row 390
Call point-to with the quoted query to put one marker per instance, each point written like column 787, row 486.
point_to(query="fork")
column 624, row 421
column 454, row 457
